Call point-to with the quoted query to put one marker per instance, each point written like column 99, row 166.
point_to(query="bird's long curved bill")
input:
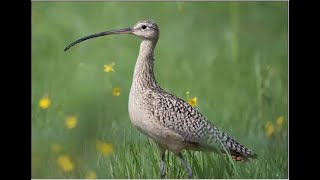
column 118, row 31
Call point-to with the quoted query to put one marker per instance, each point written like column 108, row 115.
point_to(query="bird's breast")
column 141, row 116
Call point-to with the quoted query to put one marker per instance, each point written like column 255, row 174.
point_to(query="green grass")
column 231, row 56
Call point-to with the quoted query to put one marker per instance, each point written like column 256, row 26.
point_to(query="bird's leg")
column 186, row 166
column 162, row 162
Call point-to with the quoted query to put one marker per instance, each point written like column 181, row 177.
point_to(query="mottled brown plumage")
column 170, row 121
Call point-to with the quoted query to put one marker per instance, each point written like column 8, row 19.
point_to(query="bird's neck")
column 143, row 78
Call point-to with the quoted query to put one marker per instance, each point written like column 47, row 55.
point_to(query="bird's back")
column 193, row 129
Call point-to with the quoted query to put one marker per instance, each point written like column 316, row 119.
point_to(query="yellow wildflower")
column 269, row 129
column 56, row 148
column 91, row 175
column 71, row 122
column 280, row 121
column 269, row 123
column 65, row 163
column 44, row 102
column 104, row 148
column 116, row 91
column 193, row 101
column 109, row 68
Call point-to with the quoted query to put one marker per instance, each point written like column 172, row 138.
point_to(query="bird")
column 170, row 121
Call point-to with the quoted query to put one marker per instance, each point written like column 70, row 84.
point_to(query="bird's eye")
column 143, row 26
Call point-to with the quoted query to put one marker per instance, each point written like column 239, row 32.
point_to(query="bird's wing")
column 177, row 115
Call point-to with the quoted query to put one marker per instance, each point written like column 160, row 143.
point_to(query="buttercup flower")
column 44, row 102
column 193, row 101
column 71, row 122
column 116, row 91
column 109, row 68
column 65, row 163
column 280, row 121
column 104, row 148
column 269, row 129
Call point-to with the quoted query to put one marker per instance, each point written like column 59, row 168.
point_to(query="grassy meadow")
column 233, row 57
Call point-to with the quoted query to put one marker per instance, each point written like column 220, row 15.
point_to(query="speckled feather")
column 170, row 121
column 177, row 115
column 152, row 109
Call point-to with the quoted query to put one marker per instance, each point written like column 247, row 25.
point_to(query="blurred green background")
column 231, row 56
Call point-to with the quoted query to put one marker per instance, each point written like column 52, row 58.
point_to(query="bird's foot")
column 162, row 169
column 162, row 172
column 163, row 176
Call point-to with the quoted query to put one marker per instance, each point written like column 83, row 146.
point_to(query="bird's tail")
column 240, row 157
column 237, row 151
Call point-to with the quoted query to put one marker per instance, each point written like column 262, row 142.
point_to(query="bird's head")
column 143, row 29
column 146, row 30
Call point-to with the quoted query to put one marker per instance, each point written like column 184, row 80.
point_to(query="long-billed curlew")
column 170, row 121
